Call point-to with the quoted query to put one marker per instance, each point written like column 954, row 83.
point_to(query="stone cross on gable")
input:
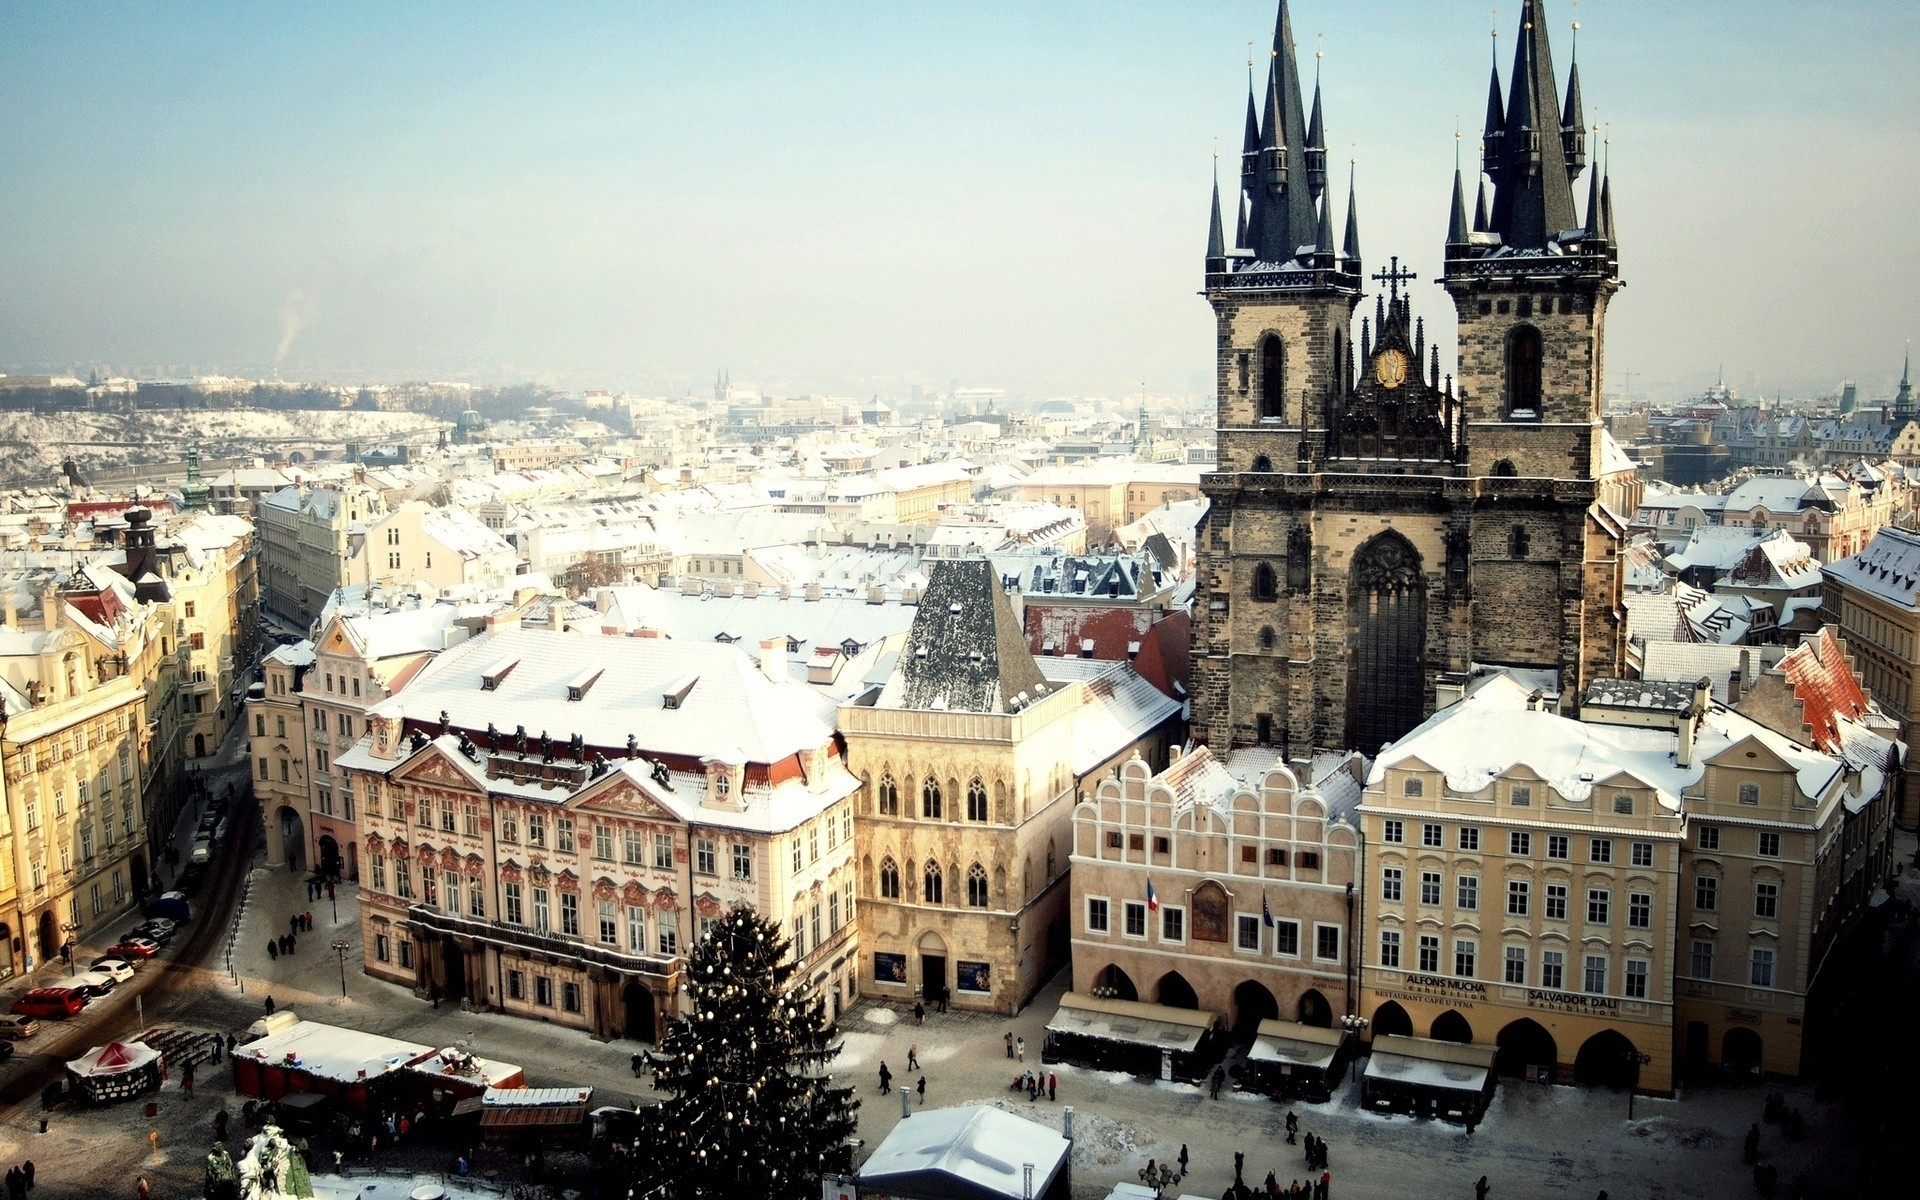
column 1393, row 277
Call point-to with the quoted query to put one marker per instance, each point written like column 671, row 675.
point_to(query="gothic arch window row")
column 1273, row 377
column 1525, row 352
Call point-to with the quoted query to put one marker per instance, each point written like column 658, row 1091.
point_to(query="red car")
column 136, row 947
column 56, row 1002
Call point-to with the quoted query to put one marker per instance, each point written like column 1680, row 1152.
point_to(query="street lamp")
column 70, row 948
column 1355, row 1025
column 1636, row 1060
column 340, row 948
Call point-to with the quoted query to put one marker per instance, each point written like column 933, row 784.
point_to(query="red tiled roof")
column 1824, row 683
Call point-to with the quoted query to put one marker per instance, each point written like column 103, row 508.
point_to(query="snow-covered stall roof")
column 1424, row 1062
column 1131, row 1021
column 1301, row 1045
column 330, row 1052
column 970, row 1152
column 114, row 1058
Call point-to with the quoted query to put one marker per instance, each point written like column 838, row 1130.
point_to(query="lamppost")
column 340, row 948
column 1636, row 1060
column 68, row 949
column 1355, row 1025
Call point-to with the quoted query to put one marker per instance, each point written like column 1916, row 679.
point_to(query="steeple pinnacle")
column 1532, row 200
column 1493, row 134
column 1596, row 209
column 1351, row 250
column 1250, row 143
column 1573, row 129
column 1283, row 202
column 1480, row 210
column 1457, row 219
column 1316, row 136
column 1216, row 233
column 1323, row 237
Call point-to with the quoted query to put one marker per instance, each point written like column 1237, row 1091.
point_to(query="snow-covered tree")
column 754, row 1111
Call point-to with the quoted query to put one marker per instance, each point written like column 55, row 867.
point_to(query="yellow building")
column 210, row 570
column 74, row 746
column 1111, row 492
column 971, row 758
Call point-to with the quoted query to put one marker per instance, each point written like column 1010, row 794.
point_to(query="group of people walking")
column 20, row 1180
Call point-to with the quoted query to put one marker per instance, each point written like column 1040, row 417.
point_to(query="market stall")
column 315, row 1057
column 1292, row 1061
column 534, row 1116
column 971, row 1152
column 1426, row 1078
column 1148, row 1040
column 116, row 1071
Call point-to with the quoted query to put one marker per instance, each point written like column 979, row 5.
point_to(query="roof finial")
column 1319, row 52
column 1495, row 33
column 1575, row 52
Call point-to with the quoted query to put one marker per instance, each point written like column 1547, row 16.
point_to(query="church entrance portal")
column 1386, row 683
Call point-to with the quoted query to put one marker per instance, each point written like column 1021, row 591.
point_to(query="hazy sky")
column 835, row 196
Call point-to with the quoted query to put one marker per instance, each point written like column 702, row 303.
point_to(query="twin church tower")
column 1378, row 530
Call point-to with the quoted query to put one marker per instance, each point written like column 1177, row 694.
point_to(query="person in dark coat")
column 1480, row 1189
column 1182, row 1160
column 269, row 1005
column 637, row 1061
column 1751, row 1149
column 273, row 949
column 886, row 1079
column 921, row 1088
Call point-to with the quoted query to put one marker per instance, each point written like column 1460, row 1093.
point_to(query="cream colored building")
column 1251, row 872
column 547, row 819
column 211, row 573
column 417, row 543
column 277, row 745
column 971, row 759
column 1535, row 882
column 74, row 747
column 1111, row 492
column 306, row 541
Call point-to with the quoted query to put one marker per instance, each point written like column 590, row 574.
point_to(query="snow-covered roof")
column 1888, row 568
column 970, row 1152
column 725, row 708
column 1120, row 708
column 331, row 1052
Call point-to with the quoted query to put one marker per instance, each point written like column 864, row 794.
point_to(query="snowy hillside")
column 32, row 445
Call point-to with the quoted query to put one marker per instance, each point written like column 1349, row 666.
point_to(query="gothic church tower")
column 1377, row 530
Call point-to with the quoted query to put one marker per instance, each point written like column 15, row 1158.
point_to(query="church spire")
column 1606, row 210
column 1573, row 129
column 1533, row 193
column 1493, row 134
column 1351, row 250
column 1480, row 209
column 1250, row 146
column 1216, row 233
column 1283, row 208
column 1323, row 237
column 1596, row 208
column 1457, row 220
column 1316, row 139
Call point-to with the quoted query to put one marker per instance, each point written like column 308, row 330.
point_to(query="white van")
column 271, row 1024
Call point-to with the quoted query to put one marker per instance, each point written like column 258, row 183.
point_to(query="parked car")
column 92, row 984
column 136, row 947
column 158, row 929
column 191, row 877
column 116, row 969
column 18, row 1029
column 56, row 1002
column 6, row 1051
column 114, row 960
column 171, row 905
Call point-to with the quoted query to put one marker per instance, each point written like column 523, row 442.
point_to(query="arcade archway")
column 1114, row 984
column 1607, row 1059
column 1391, row 1020
column 1314, row 1009
column 1450, row 1026
column 1174, row 991
column 1525, row 1046
column 1252, row 1004
column 1740, row 1052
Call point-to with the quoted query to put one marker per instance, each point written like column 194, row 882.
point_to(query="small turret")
column 1351, row 250
column 1573, row 128
column 1457, row 220
column 1323, row 251
column 1316, row 145
column 1216, row 234
column 1493, row 137
column 1250, row 144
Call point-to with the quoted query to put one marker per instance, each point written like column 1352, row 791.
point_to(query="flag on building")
column 1153, row 897
column 1266, row 914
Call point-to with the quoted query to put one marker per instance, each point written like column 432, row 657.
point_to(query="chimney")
column 50, row 608
column 1690, row 724
column 602, row 600
column 773, row 659
column 557, row 615
column 13, row 611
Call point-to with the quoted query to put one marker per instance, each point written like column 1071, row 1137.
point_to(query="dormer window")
column 578, row 685
column 490, row 679
column 676, row 693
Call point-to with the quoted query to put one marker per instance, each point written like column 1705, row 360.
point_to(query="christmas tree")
column 754, row 1111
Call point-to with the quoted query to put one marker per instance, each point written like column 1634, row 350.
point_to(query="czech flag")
column 1153, row 897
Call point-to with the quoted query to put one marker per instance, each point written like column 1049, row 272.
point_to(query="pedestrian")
column 142, row 1189
column 220, row 1126
column 1053, row 1086
column 186, row 1079
column 293, row 924
column 1020, row 1048
column 919, row 1013
column 1751, row 1151
column 913, row 1057
column 1009, row 1041
column 1033, row 1088
column 1150, row 1172
column 1213, row 1084
column 940, row 1002
column 269, row 1004
column 15, row 1188
column 291, row 943
column 886, row 1079
column 329, row 889
column 1326, row 1185
column 1183, row 1161
column 26, row 1172
column 921, row 1088
column 433, row 994
column 1239, row 1165
column 636, row 1066
column 230, row 1045
column 306, row 922
column 1293, row 1126
column 273, row 949
column 1480, row 1189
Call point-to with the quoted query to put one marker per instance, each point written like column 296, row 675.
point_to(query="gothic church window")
column 1517, row 542
column 1387, row 597
column 976, row 886
column 1299, row 560
column 935, row 885
column 1523, row 372
column 930, row 799
column 976, row 801
column 1273, row 378
column 1266, row 637
column 1265, row 585
column 1262, row 465
column 1504, row 469
column 889, row 797
column 889, row 880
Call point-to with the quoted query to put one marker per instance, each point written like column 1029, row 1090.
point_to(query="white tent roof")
column 114, row 1058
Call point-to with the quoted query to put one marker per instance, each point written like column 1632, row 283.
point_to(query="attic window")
column 1133, row 651
column 675, row 694
column 578, row 685
column 491, row 677
column 1046, row 648
column 1086, row 647
column 920, row 651
column 954, row 607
